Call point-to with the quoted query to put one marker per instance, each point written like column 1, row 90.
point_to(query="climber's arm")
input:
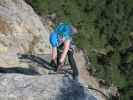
column 66, row 48
column 54, row 53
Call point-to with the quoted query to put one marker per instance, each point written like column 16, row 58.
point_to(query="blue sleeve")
column 53, row 39
column 67, row 36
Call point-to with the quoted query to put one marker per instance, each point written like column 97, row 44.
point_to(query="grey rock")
column 44, row 87
column 21, row 31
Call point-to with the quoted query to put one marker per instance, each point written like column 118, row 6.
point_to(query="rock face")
column 21, row 31
column 47, row 87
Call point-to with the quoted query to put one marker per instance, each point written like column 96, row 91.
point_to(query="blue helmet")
column 63, row 29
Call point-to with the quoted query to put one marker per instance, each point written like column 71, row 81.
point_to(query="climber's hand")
column 60, row 66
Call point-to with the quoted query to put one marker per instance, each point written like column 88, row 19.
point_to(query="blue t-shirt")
column 61, row 32
column 56, row 39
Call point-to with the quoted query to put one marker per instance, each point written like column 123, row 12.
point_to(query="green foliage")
column 105, row 32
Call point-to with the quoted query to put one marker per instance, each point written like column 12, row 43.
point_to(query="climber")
column 62, row 35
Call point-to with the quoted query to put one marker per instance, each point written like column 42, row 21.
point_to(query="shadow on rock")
column 25, row 71
column 35, row 59
column 73, row 90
